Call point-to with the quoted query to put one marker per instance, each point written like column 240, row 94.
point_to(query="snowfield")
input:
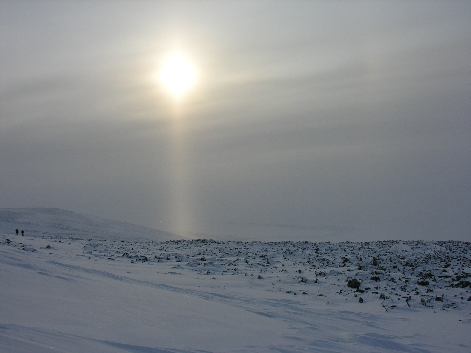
column 76, row 283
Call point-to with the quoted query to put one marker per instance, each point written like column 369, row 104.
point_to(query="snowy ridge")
column 63, row 293
column 54, row 221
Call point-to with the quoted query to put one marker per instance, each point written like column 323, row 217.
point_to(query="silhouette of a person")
column 17, row 231
column 22, row 232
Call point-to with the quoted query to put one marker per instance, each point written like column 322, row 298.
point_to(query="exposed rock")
column 353, row 283
column 462, row 284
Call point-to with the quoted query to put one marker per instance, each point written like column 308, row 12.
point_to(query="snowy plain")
column 76, row 283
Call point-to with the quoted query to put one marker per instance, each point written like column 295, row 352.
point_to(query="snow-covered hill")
column 57, row 222
column 66, row 290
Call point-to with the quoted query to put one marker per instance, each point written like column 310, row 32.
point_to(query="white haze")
column 311, row 119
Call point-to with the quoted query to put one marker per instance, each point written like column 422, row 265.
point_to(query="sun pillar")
column 181, row 193
column 177, row 76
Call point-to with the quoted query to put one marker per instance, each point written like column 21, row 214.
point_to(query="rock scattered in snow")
column 432, row 274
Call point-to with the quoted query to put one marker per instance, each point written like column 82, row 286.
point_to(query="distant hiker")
column 22, row 232
column 17, row 231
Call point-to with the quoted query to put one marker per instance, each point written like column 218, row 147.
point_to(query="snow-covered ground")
column 76, row 283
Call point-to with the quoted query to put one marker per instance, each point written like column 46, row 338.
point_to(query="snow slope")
column 54, row 221
column 110, row 291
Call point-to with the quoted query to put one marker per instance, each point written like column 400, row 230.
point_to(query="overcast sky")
column 341, row 119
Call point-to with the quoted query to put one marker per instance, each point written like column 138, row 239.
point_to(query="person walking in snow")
column 22, row 232
column 17, row 231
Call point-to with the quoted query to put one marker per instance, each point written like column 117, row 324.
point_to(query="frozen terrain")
column 76, row 283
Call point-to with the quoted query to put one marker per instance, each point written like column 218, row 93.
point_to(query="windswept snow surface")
column 91, row 293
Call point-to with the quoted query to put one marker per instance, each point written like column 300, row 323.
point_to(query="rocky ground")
column 433, row 274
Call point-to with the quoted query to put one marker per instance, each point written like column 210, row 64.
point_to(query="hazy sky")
column 317, row 118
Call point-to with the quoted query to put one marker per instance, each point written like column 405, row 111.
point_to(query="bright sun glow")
column 177, row 75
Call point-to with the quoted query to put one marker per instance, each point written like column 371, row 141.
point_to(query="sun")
column 177, row 75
